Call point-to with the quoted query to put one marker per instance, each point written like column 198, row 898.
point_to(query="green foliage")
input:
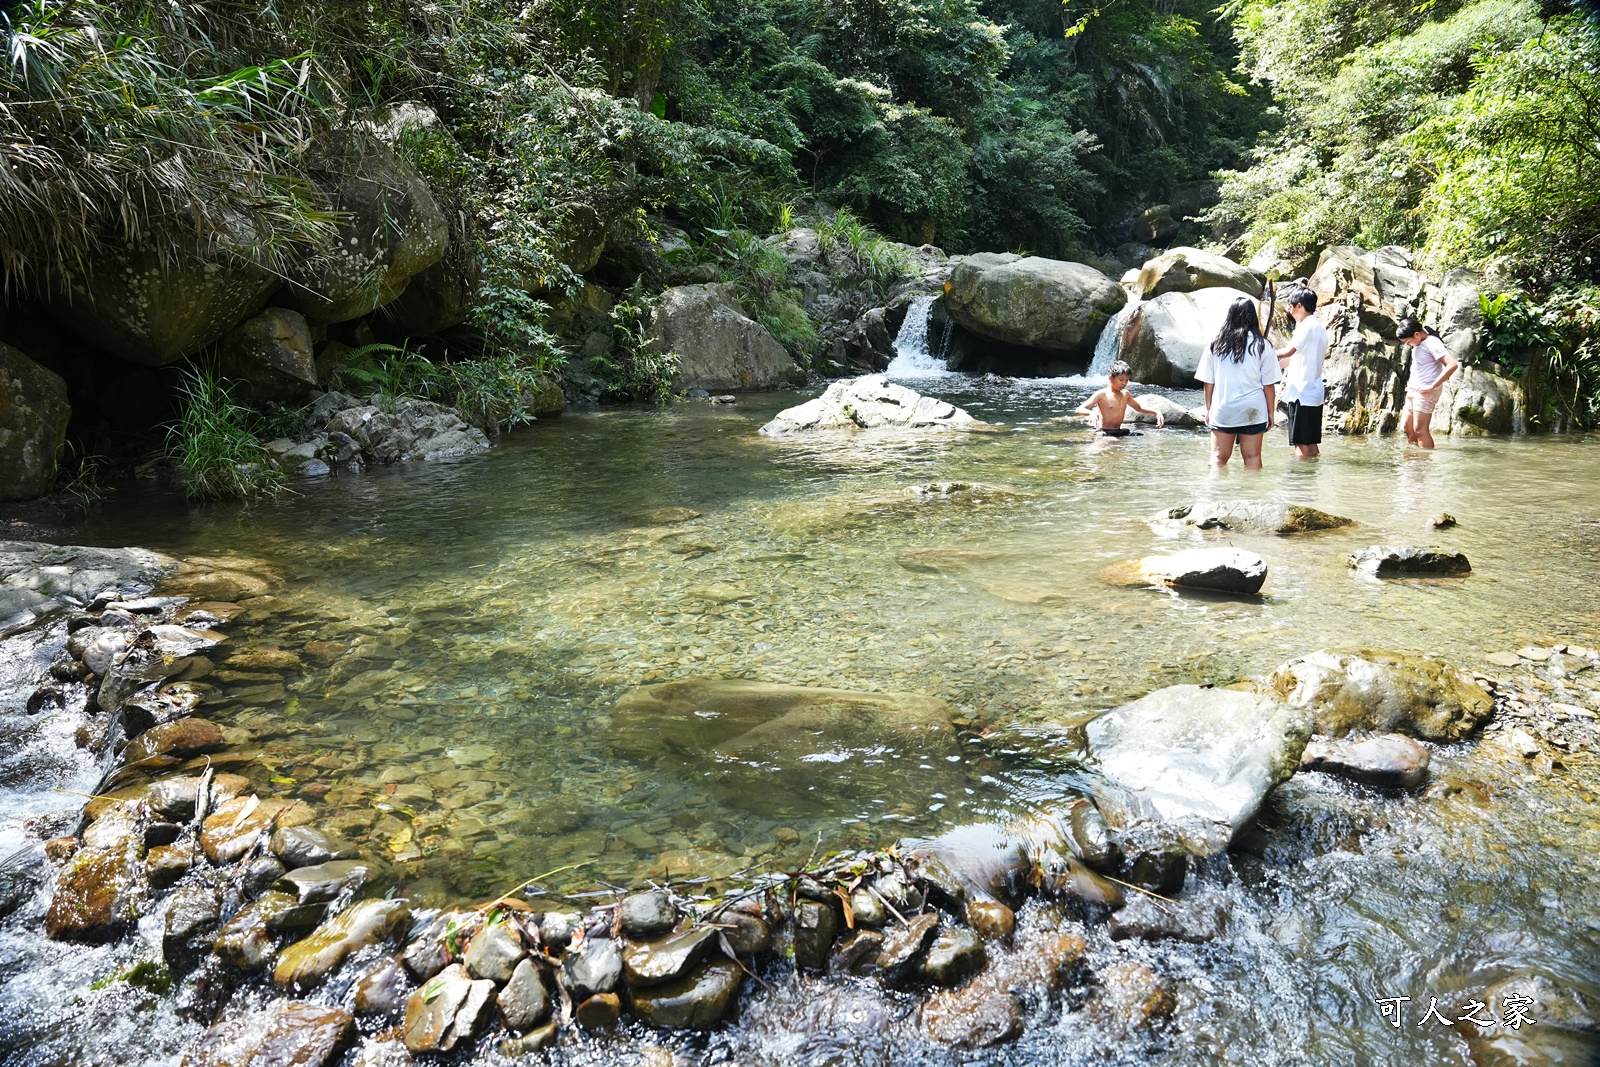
column 82, row 475
column 214, row 444
column 151, row 975
column 1463, row 128
column 494, row 391
column 879, row 263
column 1558, row 340
column 634, row 371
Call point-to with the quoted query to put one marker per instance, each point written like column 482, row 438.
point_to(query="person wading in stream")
column 1431, row 366
column 1301, row 360
column 1240, row 375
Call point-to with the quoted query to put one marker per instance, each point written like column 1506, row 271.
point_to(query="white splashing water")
column 1109, row 347
column 912, row 359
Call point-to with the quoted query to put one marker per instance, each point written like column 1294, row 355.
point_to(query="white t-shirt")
column 1426, row 368
column 1303, row 380
column 1238, row 396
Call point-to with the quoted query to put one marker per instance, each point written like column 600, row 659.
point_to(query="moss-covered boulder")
column 33, row 423
column 1387, row 692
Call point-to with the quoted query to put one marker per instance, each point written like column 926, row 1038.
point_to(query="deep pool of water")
column 460, row 636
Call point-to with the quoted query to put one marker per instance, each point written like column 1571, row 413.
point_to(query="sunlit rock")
column 1195, row 759
column 1364, row 689
column 868, row 403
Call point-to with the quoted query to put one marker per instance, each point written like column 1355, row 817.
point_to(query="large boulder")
column 287, row 1034
column 865, row 403
column 1457, row 313
column 718, row 346
column 33, row 423
column 153, row 308
column 1163, row 339
column 270, row 354
column 1184, row 270
column 392, row 229
column 1478, row 401
column 1197, row 760
column 1363, row 689
column 38, row 579
column 1039, row 303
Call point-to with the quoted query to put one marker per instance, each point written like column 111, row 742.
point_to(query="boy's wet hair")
column 1119, row 368
column 1302, row 296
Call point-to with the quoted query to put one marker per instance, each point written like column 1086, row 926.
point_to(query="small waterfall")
column 911, row 356
column 1109, row 347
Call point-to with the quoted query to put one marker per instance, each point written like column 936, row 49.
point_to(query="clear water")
column 465, row 632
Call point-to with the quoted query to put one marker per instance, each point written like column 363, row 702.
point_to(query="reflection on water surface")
column 458, row 638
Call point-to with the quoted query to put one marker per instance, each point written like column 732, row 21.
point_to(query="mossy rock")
column 1389, row 692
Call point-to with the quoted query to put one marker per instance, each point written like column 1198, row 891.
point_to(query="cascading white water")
column 1108, row 348
column 912, row 359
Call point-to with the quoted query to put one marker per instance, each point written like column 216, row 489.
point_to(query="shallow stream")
column 440, row 674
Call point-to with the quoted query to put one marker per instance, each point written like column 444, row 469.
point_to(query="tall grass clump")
column 214, row 444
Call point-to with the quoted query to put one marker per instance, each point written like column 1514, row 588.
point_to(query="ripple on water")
column 456, row 646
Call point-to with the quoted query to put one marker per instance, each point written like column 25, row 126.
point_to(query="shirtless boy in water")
column 1113, row 403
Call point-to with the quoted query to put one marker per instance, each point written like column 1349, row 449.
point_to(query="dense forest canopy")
column 1466, row 129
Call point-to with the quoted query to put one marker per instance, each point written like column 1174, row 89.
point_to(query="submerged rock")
column 867, row 403
column 1389, row 561
column 1261, row 516
column 289, row 1034
column 325, row 881
column 1364, row 689
column 697, row 1000
column 179, row 738
column 1216, row 570
column 1392, row 760
column 306, row 846
column 1198, row 760
column 1148, row 919
column 1132, row 997
column 903, row 946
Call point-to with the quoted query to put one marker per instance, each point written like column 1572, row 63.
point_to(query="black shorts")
column 1120, row 431
column 1305, row 423
column 1242, row 431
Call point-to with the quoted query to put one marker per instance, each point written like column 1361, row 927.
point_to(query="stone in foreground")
column 289, row 1035
column 868, row 403
column 696, row 1001
column 1363, row 689
column 1216, row 570
column 1390, row 561
column 1198, row 760
column 1390, row 760
column 1260, row 516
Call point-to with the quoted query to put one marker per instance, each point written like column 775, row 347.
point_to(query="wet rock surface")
column 447, row 1010
column 695, row 1000
column 1212, row 570
column 1391, row 760
column 291, row 1034
column 1367, row 689
column 1200, row 760
column 1393, row 561
column 1259, row 516
column 307, row 962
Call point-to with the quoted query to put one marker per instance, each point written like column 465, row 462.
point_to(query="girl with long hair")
column 1240, row 374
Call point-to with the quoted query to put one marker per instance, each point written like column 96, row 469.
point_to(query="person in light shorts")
column 1240, row 375
column 1431, row 366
